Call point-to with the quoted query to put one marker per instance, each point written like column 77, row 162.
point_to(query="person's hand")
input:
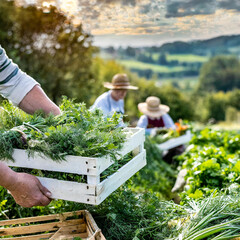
column 153, row 132
column 27, row 191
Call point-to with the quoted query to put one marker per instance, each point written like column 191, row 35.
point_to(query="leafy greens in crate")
column 77, row 131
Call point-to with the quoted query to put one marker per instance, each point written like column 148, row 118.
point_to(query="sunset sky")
column 153, row 22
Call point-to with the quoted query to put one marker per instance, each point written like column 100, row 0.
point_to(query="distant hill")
column 222, row 44
column 213, row 46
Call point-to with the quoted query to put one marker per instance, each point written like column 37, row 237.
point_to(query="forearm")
column 7, row 176
column 36, row 99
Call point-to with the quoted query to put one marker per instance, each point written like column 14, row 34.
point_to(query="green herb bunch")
column 77, row 131
column 216, row 217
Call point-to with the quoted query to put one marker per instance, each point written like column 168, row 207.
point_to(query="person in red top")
column 155, row 115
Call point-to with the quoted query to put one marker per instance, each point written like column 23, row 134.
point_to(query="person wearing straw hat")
column 155, row 115
column 113, row 100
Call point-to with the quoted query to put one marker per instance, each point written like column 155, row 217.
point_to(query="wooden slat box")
column 94, row 191
column 174, row 142
column 53, row 227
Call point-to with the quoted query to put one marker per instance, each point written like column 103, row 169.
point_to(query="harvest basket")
column 94, row 191
column 174, row 142
column 78, row 225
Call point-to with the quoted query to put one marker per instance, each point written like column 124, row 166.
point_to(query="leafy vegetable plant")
column 77, row 131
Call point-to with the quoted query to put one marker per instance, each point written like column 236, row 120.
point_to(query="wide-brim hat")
column 153, row 107
column 120, row 81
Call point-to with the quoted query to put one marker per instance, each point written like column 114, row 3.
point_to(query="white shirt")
column 108, row 105
column 14, row 84
column 167, row 120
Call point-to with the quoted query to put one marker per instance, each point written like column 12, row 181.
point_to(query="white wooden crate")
column 94, row 191
column 174, row 142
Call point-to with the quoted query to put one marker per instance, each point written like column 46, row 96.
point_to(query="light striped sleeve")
column 168, row 122
column 14, row 84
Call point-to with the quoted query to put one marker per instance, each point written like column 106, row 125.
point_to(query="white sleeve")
column 14, row 84
column 142, row 122
column 168, row 122
column 101, row 103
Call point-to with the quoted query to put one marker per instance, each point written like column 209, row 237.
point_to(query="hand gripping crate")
column 174, row 142
column 71, row 225
column 94, row 191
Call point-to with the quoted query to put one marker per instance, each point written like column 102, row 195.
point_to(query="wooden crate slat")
column 97, row 236
column 63, row 229
column 83, row 236
column 117, row 179
column 174, row 142
column 39, row 228
column 91, row 222
column 82, row 165
column 32, row 237
column 68, row 190
column 70, row 231
column 136, row 139
column 60, row 216
column 73, row 191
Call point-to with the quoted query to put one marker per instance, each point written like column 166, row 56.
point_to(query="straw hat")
column 153, row 107
column 120, row 81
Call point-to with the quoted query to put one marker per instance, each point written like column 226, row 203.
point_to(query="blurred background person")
column 155, row 115
column 113, row 100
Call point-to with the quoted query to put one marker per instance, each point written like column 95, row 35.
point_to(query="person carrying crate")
column 155, row 116
column 156, row 119
column 24, row 92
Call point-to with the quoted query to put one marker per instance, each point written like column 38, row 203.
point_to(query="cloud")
column 233, row 4
column 123, row 2
column 183, row 8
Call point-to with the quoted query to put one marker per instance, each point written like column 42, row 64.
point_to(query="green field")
column 235, row 50
column 183, row 57
column 186, row 84
column 132, row 64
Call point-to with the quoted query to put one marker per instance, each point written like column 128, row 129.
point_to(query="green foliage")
column 180, row 105
column 47, row 46
column 158, row 176
column 102, row 71
column 234, row 99
column 212, row 163
column 220, row 73
column 216, row 106
column 216, row 217
column 77, row 131
column 219, row 106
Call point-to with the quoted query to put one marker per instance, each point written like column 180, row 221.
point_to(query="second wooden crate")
column 66, row 226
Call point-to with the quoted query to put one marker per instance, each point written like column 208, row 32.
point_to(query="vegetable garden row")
column 207, row 207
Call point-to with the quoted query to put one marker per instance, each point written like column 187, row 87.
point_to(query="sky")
column 153, row 22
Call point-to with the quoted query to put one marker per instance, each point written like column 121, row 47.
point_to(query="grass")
column 226, row 126
column 184, row 83
column 234, row 50
column 189, row 58
column 132, row 64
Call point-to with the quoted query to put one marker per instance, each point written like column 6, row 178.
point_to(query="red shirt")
column 152, row 123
